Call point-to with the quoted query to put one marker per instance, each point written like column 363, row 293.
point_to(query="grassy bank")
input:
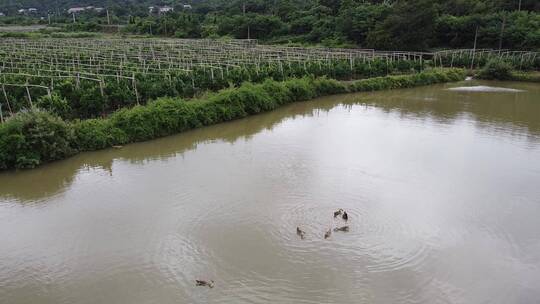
column 526, row 76
column 31, row 138
column 503, row 70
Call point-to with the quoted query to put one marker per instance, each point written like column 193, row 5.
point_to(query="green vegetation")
column 73, row 98
column 29, row 139
column 404, row 25
column 496, row 69
column 524, row 76
column 48, row 34
column 500, row 69
column 95, row 91
column 389, row 24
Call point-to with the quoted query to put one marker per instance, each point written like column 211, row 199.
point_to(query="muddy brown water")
column 442, row 188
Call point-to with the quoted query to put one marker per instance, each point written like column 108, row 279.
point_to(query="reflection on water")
column 440, row 185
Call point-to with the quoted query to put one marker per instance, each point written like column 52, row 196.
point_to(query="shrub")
column 277, row 91
column 324, row 86
column 301, row 89
column 94, row 134
column 395, row 82
column 55, row 104
column 496, row 69
column 34, row 137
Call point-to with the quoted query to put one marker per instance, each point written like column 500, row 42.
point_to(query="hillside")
column 454, row 6
column 388, row 24
column 53, row 5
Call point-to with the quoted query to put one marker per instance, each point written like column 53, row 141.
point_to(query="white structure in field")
column 166, row 9
column 160, row 9
column 26, row 11
column 75, row 10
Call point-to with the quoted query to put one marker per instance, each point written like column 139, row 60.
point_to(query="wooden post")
column 135, row 88
column 7, row 100
column 474, row 48
column 29, row 97
column 108, row 18
column 502, row 32
column 101, row 89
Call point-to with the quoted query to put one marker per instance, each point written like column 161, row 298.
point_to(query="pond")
column 441, row 188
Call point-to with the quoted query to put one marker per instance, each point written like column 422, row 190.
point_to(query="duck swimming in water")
column 338, row 213
column 344, row 229
column 205, row 283
column 327, row 234
column 300, row 232
column 345, row 216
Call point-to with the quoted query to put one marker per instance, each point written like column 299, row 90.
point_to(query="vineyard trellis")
column 119, row 70
column 522, row 60
column 43, row 63
column 121, row 57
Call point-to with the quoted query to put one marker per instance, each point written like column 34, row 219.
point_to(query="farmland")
column 86, row 78
column 83, row 78
column 257, row 151
column 86, row 94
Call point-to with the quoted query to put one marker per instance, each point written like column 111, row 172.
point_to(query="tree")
column 409, row 26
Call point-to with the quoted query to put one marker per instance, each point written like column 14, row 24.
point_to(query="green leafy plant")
column 496, row 69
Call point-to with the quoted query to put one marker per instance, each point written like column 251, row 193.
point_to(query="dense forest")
column 407, row 25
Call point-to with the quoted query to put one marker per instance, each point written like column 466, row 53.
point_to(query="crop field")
column 469, row 58
column 86, row 78
column 80, row 78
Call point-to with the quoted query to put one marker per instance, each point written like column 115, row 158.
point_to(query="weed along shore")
column 35, row 137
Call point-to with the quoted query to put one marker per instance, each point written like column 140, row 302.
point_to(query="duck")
column 344, row 229
column 328, row 233
column 345, row 216
column 300, row 232
column 337, row 213
column 209, row 284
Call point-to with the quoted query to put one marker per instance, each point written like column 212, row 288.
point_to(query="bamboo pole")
column 502, row 32
column 474, row 48
column 29, row 97
column 7, row 99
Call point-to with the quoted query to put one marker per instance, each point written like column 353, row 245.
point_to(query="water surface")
column 442, row 190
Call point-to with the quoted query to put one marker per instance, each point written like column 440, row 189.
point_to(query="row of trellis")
column 103, row 60
column 472, row 58
column 128, row 56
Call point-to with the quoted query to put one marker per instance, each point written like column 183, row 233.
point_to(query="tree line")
column 379, row 24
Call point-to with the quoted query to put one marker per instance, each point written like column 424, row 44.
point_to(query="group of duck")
column 340, row 213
